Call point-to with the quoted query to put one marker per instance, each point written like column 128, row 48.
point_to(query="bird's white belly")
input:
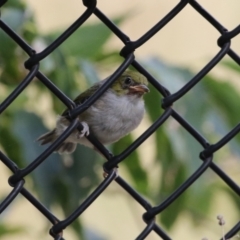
column 118, row 117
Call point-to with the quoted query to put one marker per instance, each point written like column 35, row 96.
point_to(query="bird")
column 115, row 114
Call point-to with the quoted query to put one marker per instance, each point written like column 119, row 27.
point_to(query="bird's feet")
column 85, row 130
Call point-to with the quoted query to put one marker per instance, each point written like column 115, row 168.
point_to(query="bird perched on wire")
column 115, row 114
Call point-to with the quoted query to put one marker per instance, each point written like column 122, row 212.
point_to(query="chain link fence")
column 168, row 99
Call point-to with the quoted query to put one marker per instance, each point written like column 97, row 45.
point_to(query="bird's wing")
column 80, row 99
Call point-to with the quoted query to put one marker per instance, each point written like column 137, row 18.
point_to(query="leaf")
column 15, row 4
column 6, row 230
column 8, row 141
column 87, row 42
column 225, row 97
column 10, row 58
column 55, row 181
column 89, row 72
column 13, row 17
column 200, row 199
column 27, row 127
column 133, row 164
column 174, row 176
column 232, row 65
column 153, row 104
column 177, row 151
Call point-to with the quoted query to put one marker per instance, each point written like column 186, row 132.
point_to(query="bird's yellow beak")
column 139, row 89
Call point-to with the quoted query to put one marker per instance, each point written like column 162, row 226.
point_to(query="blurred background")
column 163, row 162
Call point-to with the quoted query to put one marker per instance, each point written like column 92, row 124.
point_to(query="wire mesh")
column 168, row 99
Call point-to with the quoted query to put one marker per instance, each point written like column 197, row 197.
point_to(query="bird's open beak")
column 139, row 89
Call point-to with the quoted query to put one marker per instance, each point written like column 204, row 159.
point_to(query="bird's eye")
column 128, row 81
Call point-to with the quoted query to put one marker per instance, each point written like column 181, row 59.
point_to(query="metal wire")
column 32, row 64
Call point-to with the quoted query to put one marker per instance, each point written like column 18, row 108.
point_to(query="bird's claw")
column 85, row 130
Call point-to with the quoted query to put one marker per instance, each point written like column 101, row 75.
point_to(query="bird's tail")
column 49, row 137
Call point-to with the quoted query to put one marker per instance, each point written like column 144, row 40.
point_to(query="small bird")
column 115, row 114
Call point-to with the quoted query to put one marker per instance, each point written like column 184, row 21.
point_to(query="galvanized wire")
column 127, row 52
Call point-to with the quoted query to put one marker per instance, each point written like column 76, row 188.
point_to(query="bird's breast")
column 112, row 117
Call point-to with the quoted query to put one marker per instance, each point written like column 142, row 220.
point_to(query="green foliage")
column 133, row 164
column 15, row 15
column 6, row 230
column 87, row 42
column 211, row 107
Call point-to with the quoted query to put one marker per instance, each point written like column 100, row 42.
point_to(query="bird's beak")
column 141, row 88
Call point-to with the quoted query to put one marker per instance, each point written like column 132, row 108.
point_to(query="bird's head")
column 130, row 83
